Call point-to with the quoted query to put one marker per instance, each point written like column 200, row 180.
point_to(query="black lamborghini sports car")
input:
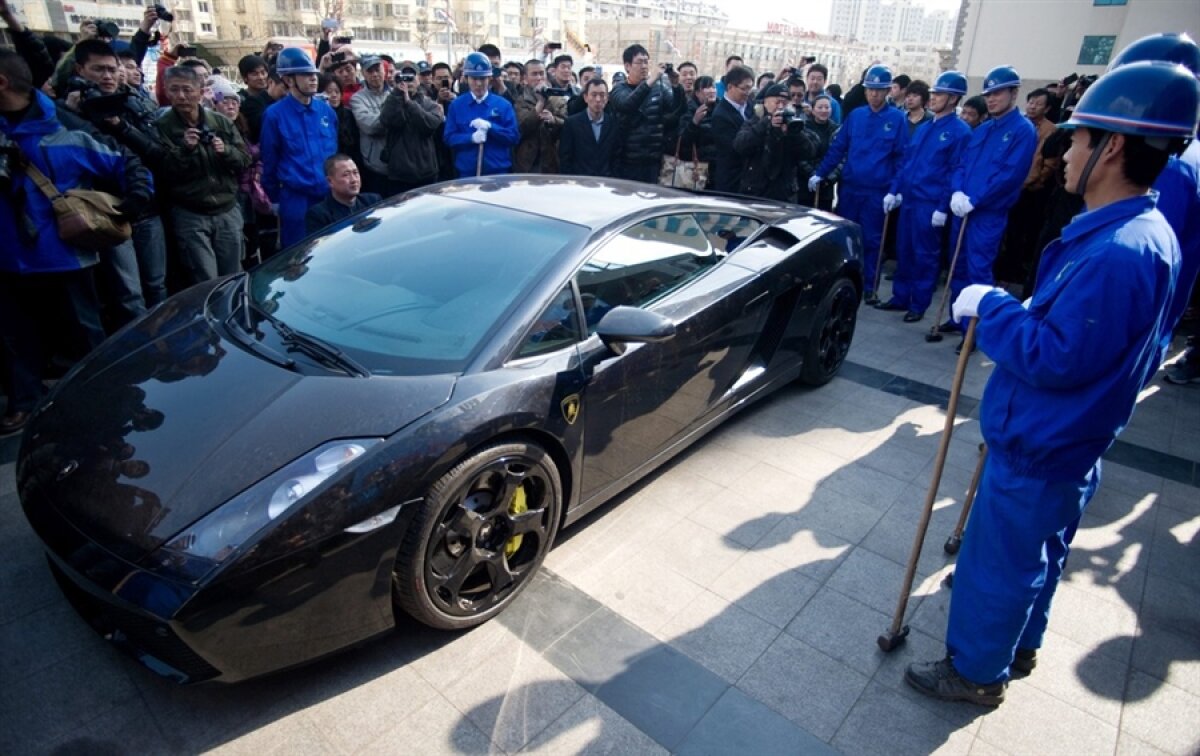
column 399, row 414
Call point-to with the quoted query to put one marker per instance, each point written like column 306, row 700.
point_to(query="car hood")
column 169, row 420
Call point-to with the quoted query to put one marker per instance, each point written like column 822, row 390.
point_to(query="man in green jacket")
column 199, row 179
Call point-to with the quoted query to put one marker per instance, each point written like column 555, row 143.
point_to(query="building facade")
column 195, row 20
column 891, row 21
column 1050, row 39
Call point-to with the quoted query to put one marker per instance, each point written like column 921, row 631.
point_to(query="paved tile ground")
column 728, row 605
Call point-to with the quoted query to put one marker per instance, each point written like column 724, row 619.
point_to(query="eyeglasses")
column 745, row 87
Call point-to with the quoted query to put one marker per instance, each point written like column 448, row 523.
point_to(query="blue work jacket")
column 1178, row 188
column 501, row 137
column 296, row 140
column 997, row 160
column 873, row 145
column 1069, row 368
column 929, row 160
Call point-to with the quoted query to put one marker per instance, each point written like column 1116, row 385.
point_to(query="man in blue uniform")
column 872, row 142
column 298, row 134
column 1069, row 365
column 478, row 119
column 923, row 185
column 988, row 179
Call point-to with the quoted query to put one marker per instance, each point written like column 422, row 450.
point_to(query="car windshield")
column 414, row 287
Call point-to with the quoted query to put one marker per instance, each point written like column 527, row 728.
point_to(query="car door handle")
column 755, row 302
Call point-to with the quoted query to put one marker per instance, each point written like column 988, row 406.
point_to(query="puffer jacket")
column 72, row 156
column 697, row 136
column 366, row 105
column 642, row 111
column 413, row 127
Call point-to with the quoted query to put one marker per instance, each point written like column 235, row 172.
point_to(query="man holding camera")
column 770, row 143
column 643, row 105
column 199, row 176
column 366, row 105
column 413, row 123
column 136, row 269
column 541, row 112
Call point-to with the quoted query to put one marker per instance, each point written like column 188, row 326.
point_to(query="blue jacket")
column 996, row 162
column 71, row 159
column 929, row 160
column 1178, row 188
column 296, row 140
column 501, row 137
column 873, row 145
column 1069, row 369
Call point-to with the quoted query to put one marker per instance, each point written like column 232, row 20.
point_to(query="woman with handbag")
column 695, row 127
column 820, row 123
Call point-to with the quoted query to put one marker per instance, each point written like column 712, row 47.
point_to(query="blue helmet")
column 877, row 77
column 950, row 82
column 1001, row 77
column 1148, row 99
column 293, row 60
column 477, row 65
column 1173, row 48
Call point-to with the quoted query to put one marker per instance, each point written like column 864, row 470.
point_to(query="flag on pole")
column 445, row 18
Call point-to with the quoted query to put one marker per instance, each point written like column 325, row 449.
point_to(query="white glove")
column 960, row 204
column 939, row 219
column 891, row 202
column 813, row 182
column 481, row 124
column 967, row 303
column 1027, row 302
column 479, row 137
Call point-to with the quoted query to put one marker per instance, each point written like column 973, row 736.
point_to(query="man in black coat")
column 730, row 114
column 344, row 199
column 643, row 104
column 588, row 141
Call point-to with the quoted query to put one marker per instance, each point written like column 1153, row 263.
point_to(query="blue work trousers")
column 918, row 255
column 981, row 244
column 293, row 206
column 865, row 207
column 1012, row 558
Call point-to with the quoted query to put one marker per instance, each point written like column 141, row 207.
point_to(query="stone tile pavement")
column 729, row 604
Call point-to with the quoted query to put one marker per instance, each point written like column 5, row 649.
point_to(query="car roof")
column 596, row 202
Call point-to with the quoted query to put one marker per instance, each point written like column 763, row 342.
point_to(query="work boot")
column 958, row 349
column 940, row 679
column 948, row 327
column 1024, row 662
column 890, row 306
column 913, row 317
column 870, row 299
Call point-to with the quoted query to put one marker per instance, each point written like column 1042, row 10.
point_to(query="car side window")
column 557, row 326
column 643, row 264
column 726, row 232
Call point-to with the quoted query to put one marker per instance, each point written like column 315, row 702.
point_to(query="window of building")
column 1096, row 50
column 240, row 6
column 206, row 28
column 281, row 5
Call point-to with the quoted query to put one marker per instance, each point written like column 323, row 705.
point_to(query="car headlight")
column 207, row 543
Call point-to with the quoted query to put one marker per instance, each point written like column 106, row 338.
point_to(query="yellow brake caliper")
column 517, row 506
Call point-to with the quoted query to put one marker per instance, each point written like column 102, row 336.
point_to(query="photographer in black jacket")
column 771, row 143
column 414, row 124
column 642, row 104
column 137, row 269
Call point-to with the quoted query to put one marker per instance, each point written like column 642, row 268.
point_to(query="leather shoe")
column 941, row 680
column 913, row 317
column 870, row 299
column 1024, row 662
column 13, row 422
column 948, row 327
column 891, row 306
column 958, row 349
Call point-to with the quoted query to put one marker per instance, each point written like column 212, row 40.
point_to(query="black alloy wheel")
column 482, row 533
column 832, row 333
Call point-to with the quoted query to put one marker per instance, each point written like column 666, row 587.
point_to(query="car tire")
column 469, row 552
column 832, row 333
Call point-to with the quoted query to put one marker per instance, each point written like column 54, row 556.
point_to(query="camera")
column 555, row 92
column 669, row 67
column 808, row 60
column 164, row 14
column 791, row 115
column 402, row 77
column 554, row 45
column 187, row 51
column 342, row 40
column 337, row 58
column 107, row 29
column 93, row 103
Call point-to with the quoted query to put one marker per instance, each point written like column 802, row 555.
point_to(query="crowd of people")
column 214, row 177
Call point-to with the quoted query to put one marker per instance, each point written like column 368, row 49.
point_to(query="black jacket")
column 770, row 157
column 253, row 107
column 726, row 123
column 580, row 154
column 413, row 126
column 671, row 125
column 643, row 111
column 697, row 136
column 824, row 134
column 329, row 211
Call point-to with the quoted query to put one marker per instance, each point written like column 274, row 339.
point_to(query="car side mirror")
column 631, row 325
